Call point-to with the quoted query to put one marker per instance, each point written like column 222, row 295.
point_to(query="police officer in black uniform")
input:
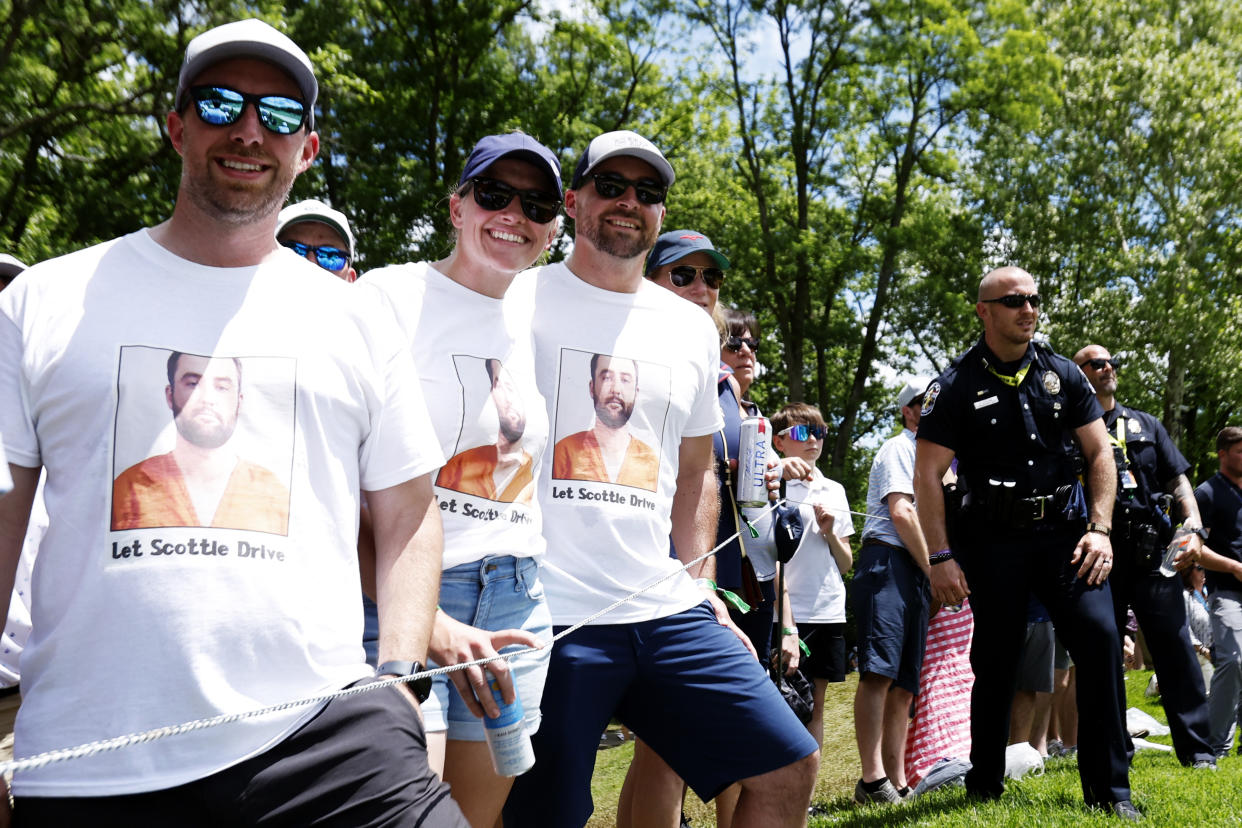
column 1148, row 464
column 1010, row 411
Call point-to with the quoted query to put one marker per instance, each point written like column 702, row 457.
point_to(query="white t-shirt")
column 607, row 514
column 457, row 337
column 816, row 591
column 175, row 618
column 892, row 472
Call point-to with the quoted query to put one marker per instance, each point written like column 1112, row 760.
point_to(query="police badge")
column 1052, row 383
column 1133, row 427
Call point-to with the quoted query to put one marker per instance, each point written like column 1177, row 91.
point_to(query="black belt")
column 994, row 503
column 1032, row 509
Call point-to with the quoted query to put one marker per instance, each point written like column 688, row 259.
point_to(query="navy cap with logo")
column 677, row 244
column 249, row 38
column 492, row 148
column 621, row 142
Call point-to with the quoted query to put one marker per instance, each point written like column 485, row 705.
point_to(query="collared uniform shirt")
column 1010, row 421
column 1153, row 458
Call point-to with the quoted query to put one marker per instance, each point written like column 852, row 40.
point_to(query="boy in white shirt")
column 813, row 576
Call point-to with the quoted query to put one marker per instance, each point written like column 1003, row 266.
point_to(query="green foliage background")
column 862, row 162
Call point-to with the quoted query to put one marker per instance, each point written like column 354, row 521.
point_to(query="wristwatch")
column 421, row 687
column 1201, row 532
column 1099, row 528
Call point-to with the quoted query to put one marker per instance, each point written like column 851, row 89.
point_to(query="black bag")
column 787, row 529
column 797, row 692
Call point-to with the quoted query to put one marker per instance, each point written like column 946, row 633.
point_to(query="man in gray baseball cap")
column 249, row 38
column 206, row 610
column 675, row 669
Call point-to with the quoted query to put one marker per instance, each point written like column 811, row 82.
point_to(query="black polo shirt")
column 1220, row 506
column 1019, row 430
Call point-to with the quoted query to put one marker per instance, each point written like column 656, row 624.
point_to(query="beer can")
column 754, row 449
column 507, row 739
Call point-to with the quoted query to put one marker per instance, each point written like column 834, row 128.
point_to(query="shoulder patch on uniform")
column 1052, row 382
column 929, row 399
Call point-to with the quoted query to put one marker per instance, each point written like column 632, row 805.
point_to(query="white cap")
column 912, row 390
column 621, row 142
column 250, row 38
column 313, row 210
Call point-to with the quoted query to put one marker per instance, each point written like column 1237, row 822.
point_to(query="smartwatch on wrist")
column 1201, row 532
column 421, row 687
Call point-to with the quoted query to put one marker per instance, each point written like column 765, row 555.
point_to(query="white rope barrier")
column 120, row 742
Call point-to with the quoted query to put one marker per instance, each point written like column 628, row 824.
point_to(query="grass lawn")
column 1167, row 793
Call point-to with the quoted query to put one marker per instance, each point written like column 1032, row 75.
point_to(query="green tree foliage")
column 1123, row 202
column 862, row 162
column 83, row 151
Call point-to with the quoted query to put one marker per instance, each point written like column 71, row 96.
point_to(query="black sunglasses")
column 538, row 206
column 683, row 276
column 221, row 106
column 735, row 343
column 328, row 257
column 611, row 185
column 1016, row 300
column 1098, row 364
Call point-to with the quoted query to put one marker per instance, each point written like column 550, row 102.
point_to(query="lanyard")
column 1013, row 381
column 1119, row 440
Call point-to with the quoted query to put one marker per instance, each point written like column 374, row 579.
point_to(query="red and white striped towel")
column 941, row 725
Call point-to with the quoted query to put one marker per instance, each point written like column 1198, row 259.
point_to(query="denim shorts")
column 499, row 593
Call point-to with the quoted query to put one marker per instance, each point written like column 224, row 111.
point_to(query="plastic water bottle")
column 507, row 740
column 1180, row 538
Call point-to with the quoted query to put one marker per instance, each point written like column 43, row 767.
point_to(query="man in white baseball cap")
column 890, row 597
column 321, row 234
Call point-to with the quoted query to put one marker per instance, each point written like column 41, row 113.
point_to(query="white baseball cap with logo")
column 621, row 142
